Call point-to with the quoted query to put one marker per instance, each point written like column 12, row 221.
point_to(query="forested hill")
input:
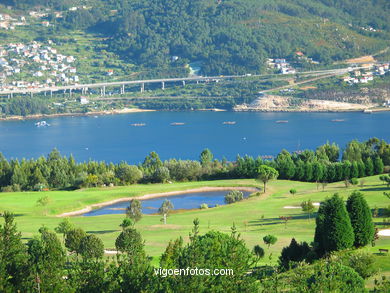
column 226, row 36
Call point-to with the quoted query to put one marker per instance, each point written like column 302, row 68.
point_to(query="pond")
column 185, row 201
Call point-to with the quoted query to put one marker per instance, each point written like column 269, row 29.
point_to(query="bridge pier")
column 31, row 94
column 103, row 90
column 123, row 89
column 51, row 93
column 70, row 93
column 184, row 83
column 163, row 85
column 142, row 87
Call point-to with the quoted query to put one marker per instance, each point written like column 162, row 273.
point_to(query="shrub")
column 354, row 181
column 204, row 206
column 293, row 191
column 233, row 196
column 295, row 252
column 270, row 240
column 255, row 194
column 363, row 263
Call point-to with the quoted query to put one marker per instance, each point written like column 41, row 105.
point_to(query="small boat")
column 282, row 121
column 229, row 122
column 42, row 123
column 367, row 111
column 177, row 123
column 138, row 124
column 338, row 120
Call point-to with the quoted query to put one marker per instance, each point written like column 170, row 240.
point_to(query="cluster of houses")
column 284, row 67
column 301, row 56
column 364, row 76
column 35, row 65
column 7, row 22
column 281, row 65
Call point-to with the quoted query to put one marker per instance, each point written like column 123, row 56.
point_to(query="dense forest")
column 359, row 159
column 226, row 36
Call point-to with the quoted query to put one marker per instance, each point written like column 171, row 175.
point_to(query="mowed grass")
column 253, row 218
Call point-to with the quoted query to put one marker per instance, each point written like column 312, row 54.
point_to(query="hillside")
column 155, row 38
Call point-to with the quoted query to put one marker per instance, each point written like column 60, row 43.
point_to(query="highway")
column 122, row 84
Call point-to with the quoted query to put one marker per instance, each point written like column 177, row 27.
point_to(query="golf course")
column 254, row 217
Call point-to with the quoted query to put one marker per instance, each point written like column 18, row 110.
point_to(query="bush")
column 363, row 263
column 293, row 191
column 233, row 196
column 204, row 206
column 295, row 252
column 7, row 189
column 255, row 194
column 354, row 181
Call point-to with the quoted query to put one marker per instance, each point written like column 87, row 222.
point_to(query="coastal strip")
column 154, row 195
column 94, row 113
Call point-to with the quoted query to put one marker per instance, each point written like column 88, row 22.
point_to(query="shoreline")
column 133, row 110
column 377, row 110
column 95, row 113
column 153, row 195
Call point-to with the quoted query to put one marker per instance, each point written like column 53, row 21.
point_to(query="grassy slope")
column 30, row 218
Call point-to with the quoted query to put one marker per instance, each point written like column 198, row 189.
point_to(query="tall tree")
column 14, row 272
column 378, row 165
column 333, row 226
column 285, row 165
column 47, row 260
column 361, row 219
column 265, row 174
column 206, row 157
column 165, row 209
column 134, row 210
column 91, row 247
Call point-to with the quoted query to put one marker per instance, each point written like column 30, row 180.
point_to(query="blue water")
column 181, row 201
column 112, row 138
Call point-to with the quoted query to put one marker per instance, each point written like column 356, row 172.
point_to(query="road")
column 103, row 85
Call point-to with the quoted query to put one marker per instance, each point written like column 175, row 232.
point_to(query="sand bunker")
column 384, row 232
column 316, row 204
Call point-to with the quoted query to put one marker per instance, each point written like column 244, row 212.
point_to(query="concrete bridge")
column 83, row 88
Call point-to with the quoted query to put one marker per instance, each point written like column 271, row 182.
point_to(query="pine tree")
column 369, row 167
column 378, row 165
column 13, row 257
column 334, row 230
column 361, row 219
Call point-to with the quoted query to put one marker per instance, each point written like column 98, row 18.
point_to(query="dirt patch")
column 166, row 226
column 363, row 59
column 273, row 103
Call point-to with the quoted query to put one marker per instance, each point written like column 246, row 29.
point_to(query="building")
column 83, row 100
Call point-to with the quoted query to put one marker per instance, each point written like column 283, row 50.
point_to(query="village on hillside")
column 34, row 65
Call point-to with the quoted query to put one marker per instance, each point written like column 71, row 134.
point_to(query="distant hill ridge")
column 226, row 37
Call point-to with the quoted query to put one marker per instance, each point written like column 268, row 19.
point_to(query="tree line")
column 359, row 159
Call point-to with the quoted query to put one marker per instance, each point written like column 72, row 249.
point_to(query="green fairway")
column 254, row 217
